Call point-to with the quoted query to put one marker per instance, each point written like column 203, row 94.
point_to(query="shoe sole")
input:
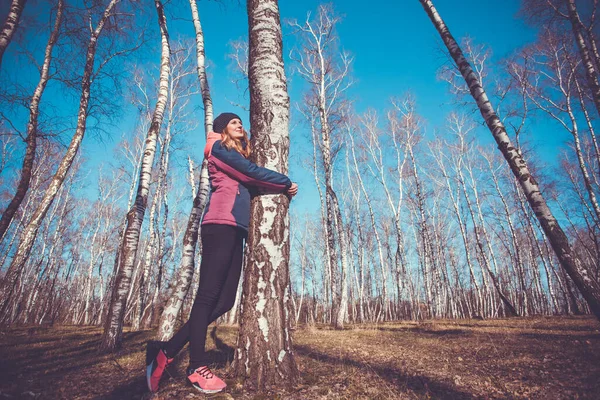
column 207, row 391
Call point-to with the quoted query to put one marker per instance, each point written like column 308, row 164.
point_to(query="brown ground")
column 541, row 358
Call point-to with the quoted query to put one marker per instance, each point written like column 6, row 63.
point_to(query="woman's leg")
column 218, row 248
column 229, row 291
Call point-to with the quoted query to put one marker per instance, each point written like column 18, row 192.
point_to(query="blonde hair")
column 236, row 144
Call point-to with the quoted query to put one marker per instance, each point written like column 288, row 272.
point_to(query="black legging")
column 222, row 252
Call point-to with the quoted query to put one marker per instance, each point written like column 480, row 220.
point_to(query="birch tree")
column 168, row 318
column 580, row 274
column 586, row 56
column 10, row 25
column 549, row 79
column 30, row 232
column 328, row 79
column 32, row 125
column 113, row 329
column 264, row 354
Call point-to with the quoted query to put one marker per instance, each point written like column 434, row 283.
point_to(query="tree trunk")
column 113, row 329
column 31, row 137
column 30, row 231
column 588, row 64
column 166, row 326
column 342, row 312
column 576, row 270
column 264, row 355
column 10, row 25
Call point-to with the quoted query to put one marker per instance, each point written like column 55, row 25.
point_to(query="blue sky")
column 395, row 48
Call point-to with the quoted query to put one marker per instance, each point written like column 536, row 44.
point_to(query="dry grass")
column 543, row 358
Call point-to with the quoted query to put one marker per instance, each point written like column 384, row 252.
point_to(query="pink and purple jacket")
column 232, row 179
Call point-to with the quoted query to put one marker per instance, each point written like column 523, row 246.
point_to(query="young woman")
column 224, row 228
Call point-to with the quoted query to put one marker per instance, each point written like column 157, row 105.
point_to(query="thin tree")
column 32, row 125
column 264, row 354
column 113, row 329
column 30, row 231
column 166, row 325
column 10, row 25
column 583, row 278
column 328, row 80
column 578, row 31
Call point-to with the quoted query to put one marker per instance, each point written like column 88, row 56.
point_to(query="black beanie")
column 222, row 120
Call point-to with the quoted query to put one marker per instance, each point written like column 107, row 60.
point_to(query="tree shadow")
column 219, row 357
column 223, row 354
column 420, row 384
column 557, row 336
column 132, row 389
column 54, row 359
column 436, row 331
column 522, row 323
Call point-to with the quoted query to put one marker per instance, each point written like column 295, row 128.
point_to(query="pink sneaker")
column 156, row 362
column 205, row 381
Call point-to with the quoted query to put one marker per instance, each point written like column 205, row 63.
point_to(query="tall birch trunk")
column 378, row 241
column 507, row 213
column 330, row 287
column 588, row 64
column 264, row 355
column 342, row 311
column 113, row 329
column 30, row 231
column 31, row 138
column 583, row 278
column 360, row 247
column 10, row 25
column 166, row 326
column 146, row 265
column 455, row 199
column 482, row 236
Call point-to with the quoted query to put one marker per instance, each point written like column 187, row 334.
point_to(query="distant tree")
column 327, row 74
column 582, row 277
column 30, row 231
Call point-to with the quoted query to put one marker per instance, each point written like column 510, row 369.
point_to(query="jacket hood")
column 210, row 141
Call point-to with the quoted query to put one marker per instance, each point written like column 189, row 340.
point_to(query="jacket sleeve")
column 239, row 168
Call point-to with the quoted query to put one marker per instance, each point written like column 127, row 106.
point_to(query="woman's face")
column 234, row 129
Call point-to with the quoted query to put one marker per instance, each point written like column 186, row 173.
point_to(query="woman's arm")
column 239, row 168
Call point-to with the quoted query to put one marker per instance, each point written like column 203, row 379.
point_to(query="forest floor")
column 539, row 358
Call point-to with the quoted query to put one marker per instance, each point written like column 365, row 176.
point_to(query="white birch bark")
column 508, row 215
column 562, row 78
column 38, row 275
column 358, row 277
column 316, row 65
column 586, row 58
column 166, row 326
column 592, row 132
column 113, row 330
column 582, row 277
column 30, row 231
column 264, row 354
column 482, row 236
column 10, row 25
column 146, row 265
column 382, row 262
column 455, row 200
column 31, row 137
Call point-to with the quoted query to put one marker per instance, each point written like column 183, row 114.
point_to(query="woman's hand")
column 292, row 191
